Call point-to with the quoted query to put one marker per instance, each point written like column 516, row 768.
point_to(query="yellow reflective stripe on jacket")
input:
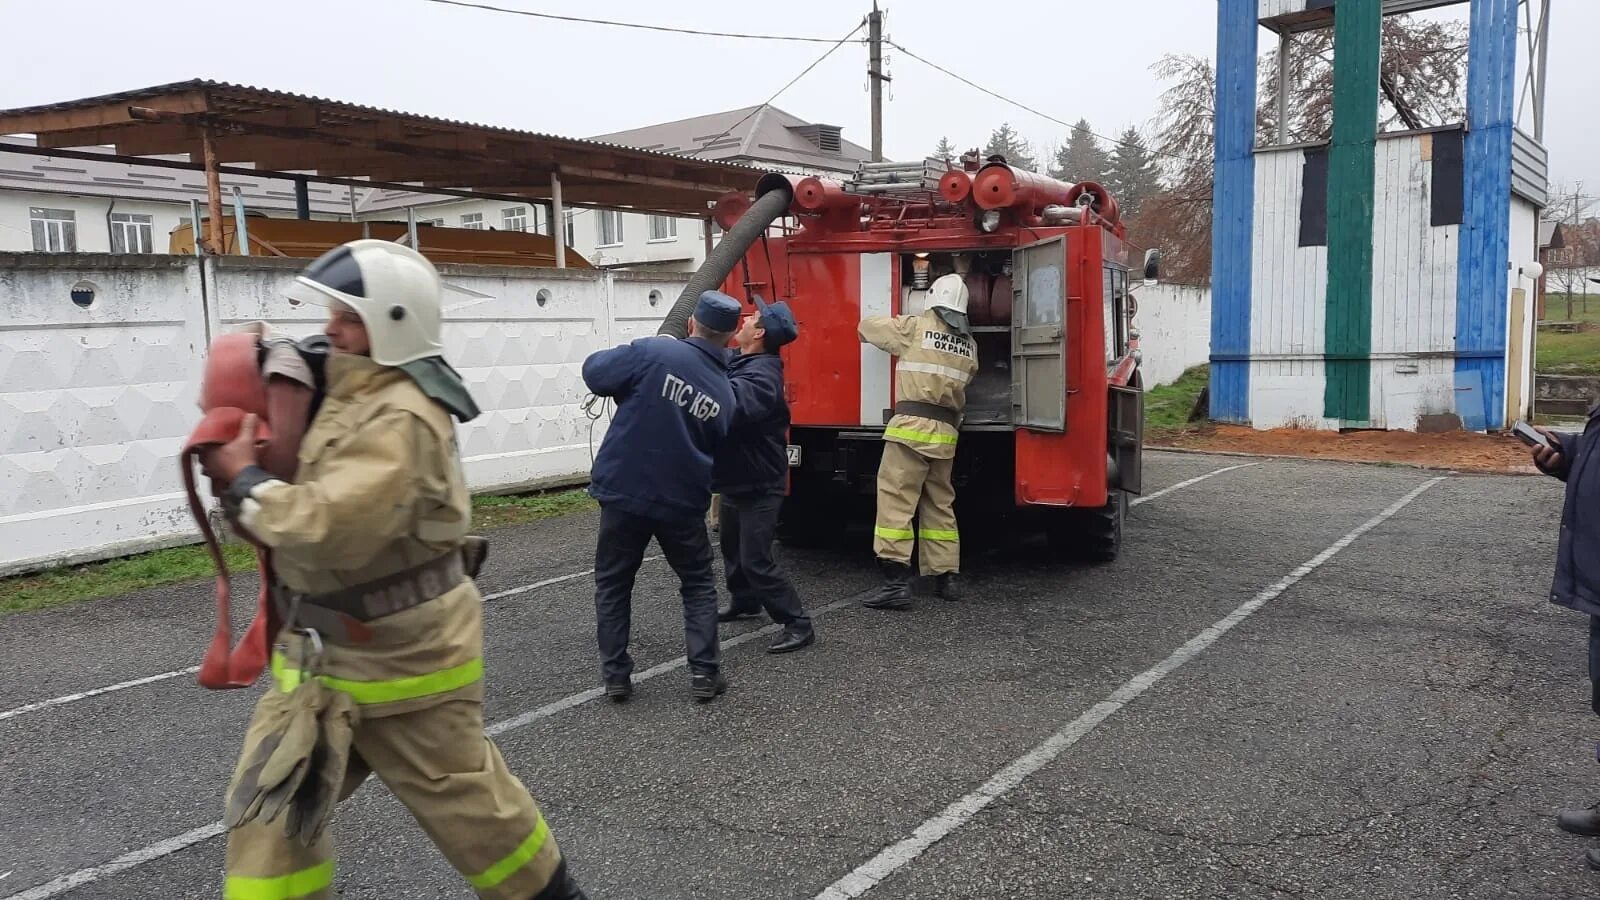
column 518, row 858
column 387, row 691
column 893, row 534
column 303, row 883
column 932, row 534
column 929, row 437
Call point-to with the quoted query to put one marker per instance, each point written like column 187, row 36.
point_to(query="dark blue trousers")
column 617, row 557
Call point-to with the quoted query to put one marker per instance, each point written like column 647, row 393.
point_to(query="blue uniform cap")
column 717, row 311
column 778, row 321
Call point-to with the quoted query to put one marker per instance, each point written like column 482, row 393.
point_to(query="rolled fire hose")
column 231, row 389
column 774, row 193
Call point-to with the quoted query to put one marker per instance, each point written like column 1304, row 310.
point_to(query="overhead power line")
column 486, row 7
column 1023, row 106
column 768, row 102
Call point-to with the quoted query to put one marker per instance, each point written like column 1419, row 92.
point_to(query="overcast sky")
column 1068, row 58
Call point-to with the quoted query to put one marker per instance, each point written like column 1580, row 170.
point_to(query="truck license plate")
column 794, row 455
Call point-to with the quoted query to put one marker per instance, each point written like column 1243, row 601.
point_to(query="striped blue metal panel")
column 1234, row 198
column 1482, row 286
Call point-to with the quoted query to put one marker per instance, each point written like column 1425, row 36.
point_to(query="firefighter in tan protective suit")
column 937, row 359
column 379, row 668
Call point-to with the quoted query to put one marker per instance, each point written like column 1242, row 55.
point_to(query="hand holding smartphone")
column 1533, row 438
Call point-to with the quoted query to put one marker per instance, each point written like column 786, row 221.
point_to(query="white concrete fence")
column 100, row 356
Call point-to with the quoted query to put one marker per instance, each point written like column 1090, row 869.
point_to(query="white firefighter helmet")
column 393, row 288
column 949, row 292
column 948, row 300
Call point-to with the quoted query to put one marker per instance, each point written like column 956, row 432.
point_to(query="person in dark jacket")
column 750, row 474
column 652, row 478
column 1575, row 459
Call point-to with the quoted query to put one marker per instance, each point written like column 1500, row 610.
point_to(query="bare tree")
column 1422, row 79
column 1569, row 268
column 1178, row 218
column 1422, row 83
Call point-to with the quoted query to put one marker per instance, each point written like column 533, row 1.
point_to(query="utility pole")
column 875, row 72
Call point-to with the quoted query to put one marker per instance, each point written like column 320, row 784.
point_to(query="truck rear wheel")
column 1094, row 535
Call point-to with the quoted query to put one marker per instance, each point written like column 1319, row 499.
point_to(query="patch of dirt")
column 1462, row 451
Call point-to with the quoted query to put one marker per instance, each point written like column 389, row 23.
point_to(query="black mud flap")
column 1126, row 436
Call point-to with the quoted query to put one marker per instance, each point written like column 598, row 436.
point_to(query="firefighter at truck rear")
column 379, row 667
column 937, row 360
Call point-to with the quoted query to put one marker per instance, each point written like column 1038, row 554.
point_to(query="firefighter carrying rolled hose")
column 937, row 360
column 379, row 668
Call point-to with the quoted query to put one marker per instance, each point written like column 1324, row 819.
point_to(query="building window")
column 54, row 230
column 131, row 233
column 514, row 218
column 571, row 217
column 437, row 223
column 663, row 228
column 609, row 228
column 473, row 221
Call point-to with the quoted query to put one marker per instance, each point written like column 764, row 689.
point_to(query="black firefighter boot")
column 1580, row 821
column 946, row 586
column 896, row 590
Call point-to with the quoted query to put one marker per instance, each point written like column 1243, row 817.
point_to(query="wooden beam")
column 42, row 120
column 84, row 137
column 213, row 194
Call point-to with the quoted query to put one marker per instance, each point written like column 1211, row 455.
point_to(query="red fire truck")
column 1052, row 432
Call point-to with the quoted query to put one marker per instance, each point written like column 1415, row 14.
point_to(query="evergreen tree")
column 1006, row 142
column 1133, row 175
column 1081, row 158
column 945, row 151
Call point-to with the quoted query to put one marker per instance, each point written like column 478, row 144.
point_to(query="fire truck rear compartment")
column 988, row 278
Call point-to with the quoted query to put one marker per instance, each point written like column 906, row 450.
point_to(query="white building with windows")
column 57, row 205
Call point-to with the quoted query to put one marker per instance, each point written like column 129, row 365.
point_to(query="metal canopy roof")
column 293, row 133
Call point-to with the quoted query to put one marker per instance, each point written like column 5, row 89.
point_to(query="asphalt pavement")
column 1299, row 680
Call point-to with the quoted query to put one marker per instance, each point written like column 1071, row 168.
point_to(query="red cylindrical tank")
column 1101, row 201
column 730, row 208
column 822, row 195
column 999, row 186
column 1000, row 300
column 955, row 185
column 978, row 305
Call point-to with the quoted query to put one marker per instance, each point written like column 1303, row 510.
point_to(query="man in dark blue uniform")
column 652, row 478
column 750, row 473
column 1574, row 457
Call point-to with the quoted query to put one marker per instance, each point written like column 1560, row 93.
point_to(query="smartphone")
column 1528, row 436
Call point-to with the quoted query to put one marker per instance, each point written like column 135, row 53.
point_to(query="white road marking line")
column 121, row 864
column 73, row 698
column 1183, row 484
column 901, row 854
column 172, row 845
column 179, row 673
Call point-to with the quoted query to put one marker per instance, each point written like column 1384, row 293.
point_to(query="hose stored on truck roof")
column 773, row 196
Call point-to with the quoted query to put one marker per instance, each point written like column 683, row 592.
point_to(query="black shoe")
column 619, row 689
column 731, row 613
column 1580, row 821
column 948, row 587
column 896, row 590
column 788, row 642
column 707, row 685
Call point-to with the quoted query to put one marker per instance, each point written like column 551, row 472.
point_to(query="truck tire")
column 1091, row 535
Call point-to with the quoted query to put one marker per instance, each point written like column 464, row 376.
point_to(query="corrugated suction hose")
column 774, row 193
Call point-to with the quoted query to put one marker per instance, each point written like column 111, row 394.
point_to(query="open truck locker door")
column 1127, row 436
column 1039, row 336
